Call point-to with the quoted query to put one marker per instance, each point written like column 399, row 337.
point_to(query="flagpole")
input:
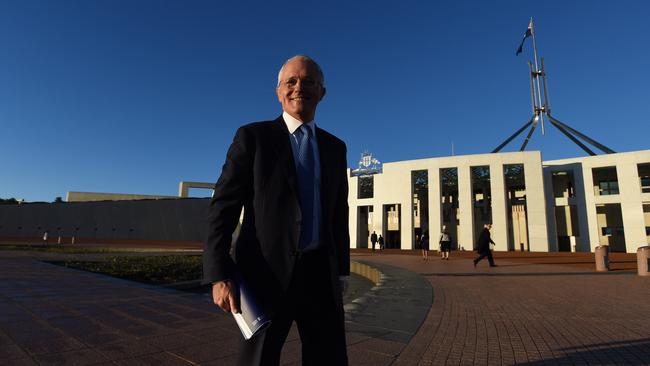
column 537, row 73
column 540, row 109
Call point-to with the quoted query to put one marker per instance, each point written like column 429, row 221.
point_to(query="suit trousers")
column 320, row 321
column 487, row 254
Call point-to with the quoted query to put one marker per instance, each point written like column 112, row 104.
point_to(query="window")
column 481, row 197
column 607, row 188
column 645, row 184
column 605, row 181
column 613, row 231
column 366, row 187
column 563, row 184
column 449, row 196
column 644, row 177
column 420, row 196
column 515, row 183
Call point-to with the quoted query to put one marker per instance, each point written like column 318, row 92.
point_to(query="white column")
column 631, row 205
column 551, row 226
column 434, row 207
column 590, row 206
column 535, row 204
column 580, row 199
column 499, row 218
column 406, row 213
column 466, row 230
column 378, row 218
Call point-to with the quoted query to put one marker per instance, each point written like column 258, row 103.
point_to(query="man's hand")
column 225, row 295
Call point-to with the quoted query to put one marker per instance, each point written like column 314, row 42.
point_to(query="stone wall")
column 169, row 220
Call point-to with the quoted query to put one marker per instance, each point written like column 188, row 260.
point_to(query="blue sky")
column 133, row 96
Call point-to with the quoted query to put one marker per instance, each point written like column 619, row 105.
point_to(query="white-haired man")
column 293, row 247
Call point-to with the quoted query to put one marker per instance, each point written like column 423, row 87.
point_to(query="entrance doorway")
column 610, row 226
column 450, row 216
column 364, row 221
column 515, row 186
column 393, row 227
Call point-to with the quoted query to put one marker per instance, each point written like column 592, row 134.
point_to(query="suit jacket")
column 260, row 175
column 484, row 240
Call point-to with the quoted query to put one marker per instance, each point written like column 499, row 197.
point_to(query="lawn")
column 60, row 249
column 158, row 270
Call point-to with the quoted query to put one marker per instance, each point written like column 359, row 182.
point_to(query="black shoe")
column 474, row 263
column 493, row 265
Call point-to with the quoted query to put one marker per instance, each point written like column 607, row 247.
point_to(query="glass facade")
column 420, row 197
column 605, row 181
column 366, row 187
column 481, row 198
column 517, row 215
column 644, row 177
column 449, row 202
column 392, row 226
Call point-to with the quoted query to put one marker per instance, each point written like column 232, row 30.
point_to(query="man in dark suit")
column 293, row 248
column 483, row 246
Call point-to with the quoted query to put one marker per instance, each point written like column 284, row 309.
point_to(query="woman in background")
column 424, row 244
column 445, row 243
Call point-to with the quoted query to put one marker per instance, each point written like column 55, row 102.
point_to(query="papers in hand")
column 252, row 318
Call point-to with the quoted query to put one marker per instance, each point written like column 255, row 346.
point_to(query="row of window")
column 480, row 175
column 618, row 231
column 605, row 181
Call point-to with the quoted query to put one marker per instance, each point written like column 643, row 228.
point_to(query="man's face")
column 300, row 89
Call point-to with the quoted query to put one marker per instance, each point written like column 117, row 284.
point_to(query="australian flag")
column 529, row 32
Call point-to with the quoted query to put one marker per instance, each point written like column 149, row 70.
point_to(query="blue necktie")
column 306, row 184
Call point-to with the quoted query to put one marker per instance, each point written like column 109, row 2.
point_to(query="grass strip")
column 157, row 270
column 61, row 249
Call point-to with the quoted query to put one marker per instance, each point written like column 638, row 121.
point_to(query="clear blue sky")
column 133, row 96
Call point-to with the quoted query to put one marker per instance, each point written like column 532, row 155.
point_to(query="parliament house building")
column 540, row 206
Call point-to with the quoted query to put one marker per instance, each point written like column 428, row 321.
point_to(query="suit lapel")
column 284, row 152
column 326, row 167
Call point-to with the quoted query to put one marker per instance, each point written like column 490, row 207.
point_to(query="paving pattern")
column 528, row 315
column 425, row 313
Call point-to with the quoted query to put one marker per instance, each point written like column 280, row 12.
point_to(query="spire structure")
column 542, row 107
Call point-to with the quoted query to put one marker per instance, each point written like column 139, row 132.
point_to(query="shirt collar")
column 293, row 124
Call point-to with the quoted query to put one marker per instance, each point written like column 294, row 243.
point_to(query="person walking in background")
column 380, row 241
column 483, row 246
column 45, row 237
column 424, row 244
column 445, row 243
column 373, row 240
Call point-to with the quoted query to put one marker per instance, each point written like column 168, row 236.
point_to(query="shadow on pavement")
column 634, row 352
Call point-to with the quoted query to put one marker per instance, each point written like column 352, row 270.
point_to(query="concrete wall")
column 174, row 219
column 95, row 196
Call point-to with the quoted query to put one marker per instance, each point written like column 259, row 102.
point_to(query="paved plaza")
column 535, row 310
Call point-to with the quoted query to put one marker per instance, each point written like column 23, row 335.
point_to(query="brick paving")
column 422, row 313
column 528, row 314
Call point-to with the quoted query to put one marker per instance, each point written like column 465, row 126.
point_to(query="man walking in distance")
column 483, row 246
column 293, row 249
column 373, row 240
